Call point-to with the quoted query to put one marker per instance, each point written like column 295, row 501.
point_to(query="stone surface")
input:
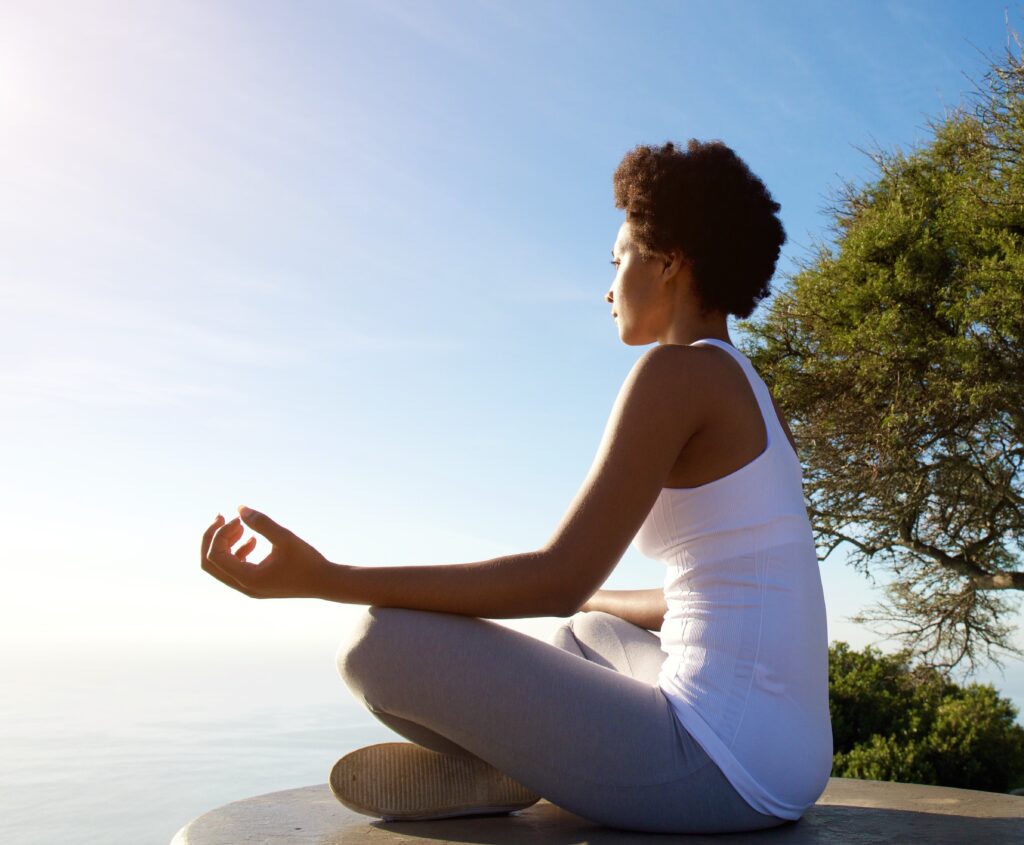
column 852, row 812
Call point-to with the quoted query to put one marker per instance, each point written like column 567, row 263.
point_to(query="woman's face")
column 641, row 301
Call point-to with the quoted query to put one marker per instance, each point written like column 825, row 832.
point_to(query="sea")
column 125, row 749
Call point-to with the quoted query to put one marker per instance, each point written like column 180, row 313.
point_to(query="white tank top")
column 745, row 635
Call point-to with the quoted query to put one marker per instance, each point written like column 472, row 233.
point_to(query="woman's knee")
column 592, row 625
column 368, row 642
column 564, row 638
column 584, row 627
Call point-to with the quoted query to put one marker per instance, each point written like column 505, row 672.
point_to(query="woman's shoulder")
column 671, row 366
column 671, row 355
column 680, row 380
column 692, row 366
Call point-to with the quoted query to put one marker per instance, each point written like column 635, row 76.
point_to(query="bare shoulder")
column 687, row 373
column 670, row 360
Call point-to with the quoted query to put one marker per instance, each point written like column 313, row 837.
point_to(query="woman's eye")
column 614, row 263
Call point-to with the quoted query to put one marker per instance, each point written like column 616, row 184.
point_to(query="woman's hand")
column 293, row 569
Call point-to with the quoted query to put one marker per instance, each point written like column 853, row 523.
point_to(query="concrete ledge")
column 849, row 811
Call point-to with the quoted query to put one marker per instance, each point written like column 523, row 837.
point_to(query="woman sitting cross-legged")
column 720, row 724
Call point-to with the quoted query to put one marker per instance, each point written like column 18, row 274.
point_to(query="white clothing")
column 745, row 634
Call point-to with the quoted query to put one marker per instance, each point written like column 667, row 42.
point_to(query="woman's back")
column 745, row 635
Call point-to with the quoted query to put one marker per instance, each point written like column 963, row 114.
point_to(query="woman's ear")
column 673, row 261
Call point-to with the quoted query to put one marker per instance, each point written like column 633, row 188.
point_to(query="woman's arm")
column 645, row 608
column 509, row 587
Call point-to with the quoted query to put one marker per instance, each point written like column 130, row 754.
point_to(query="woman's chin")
column 629, row 339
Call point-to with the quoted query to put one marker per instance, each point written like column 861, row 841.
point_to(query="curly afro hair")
column 706, row 202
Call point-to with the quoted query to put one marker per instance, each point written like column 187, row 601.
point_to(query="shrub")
column 891, row 721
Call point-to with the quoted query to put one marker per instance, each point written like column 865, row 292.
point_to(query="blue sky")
column 346, row 263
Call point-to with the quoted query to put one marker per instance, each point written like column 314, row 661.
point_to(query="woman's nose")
column 608, row 297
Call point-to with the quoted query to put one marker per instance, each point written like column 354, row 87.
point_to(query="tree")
column 898, row 356
column 894, row 722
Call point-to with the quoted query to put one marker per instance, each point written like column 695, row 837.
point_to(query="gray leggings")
column 579, row 720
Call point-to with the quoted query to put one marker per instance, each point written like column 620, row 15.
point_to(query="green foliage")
column 912, row 725
column 898, row 356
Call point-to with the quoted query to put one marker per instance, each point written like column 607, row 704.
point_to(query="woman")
column 722, row 724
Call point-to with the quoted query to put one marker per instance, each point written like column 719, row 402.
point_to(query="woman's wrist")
column 331, row 583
